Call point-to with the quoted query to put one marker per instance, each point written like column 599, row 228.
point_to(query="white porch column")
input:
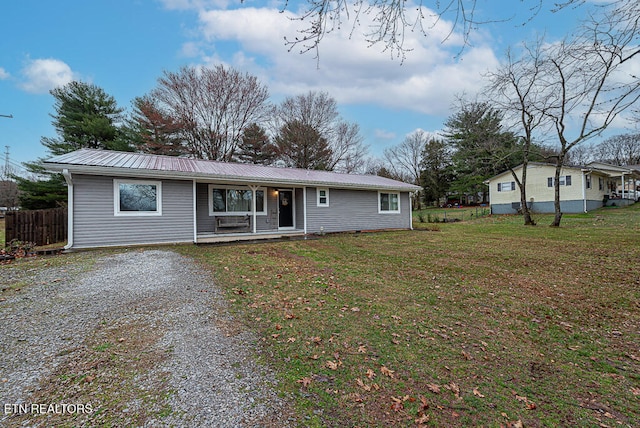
column 253, row 206
column 622, row 182
column 304, row 208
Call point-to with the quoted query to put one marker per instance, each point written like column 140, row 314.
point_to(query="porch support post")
column 253, row 207
column 622, row 182
column 304, row 208
column 195, row 214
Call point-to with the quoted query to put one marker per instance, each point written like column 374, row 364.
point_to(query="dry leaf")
column 425, row 403
column 333, row 365
column 371, row 374
column 397, row 404
column 386, row 371
column 422, row 419
column 467, row 356
column 355, row 309
column 635, row 391
column 362, row 349
column 477, row 393
column 434, row 388
column 291, row 340
column 305, row 381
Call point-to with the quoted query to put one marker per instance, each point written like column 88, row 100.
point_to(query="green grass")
column 479, row 323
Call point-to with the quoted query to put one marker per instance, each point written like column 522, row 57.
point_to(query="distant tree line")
column 217, row 114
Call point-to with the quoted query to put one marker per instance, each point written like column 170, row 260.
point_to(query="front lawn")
column 479, row 323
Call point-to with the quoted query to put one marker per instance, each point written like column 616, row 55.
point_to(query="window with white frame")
column 588, row 181
column 137, row 197
column 388, row 202
column 565, row 180
column 507, row 186
column 228, row 200
column 323, row 197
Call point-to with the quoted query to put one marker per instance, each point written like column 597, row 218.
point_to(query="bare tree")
column 318, row 111
column 619, row 150
column 214, row 106
column 349, row 152
column 405, row 159
column 582, row 85
column 514, row 88
column 388, row 21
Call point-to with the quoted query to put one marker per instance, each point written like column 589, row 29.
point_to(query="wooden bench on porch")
column 233, row 222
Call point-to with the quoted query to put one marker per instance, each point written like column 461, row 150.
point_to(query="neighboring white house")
column 118, row 198
column 582, row 188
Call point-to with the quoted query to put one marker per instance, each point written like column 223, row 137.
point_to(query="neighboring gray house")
column 120, row 198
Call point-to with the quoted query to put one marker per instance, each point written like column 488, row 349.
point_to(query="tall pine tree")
column 85, row 117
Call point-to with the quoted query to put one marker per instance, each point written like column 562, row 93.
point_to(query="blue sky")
column 123, row 46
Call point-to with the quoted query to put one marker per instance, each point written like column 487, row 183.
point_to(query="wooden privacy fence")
column 43, row 227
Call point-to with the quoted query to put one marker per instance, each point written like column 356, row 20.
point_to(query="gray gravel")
column 213, row 377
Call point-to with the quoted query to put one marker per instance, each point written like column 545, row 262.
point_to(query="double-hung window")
column 565, row 180
column 388, row 203
column 323, row 198
column 137, row 197
column 507, row 186
column 228, row 200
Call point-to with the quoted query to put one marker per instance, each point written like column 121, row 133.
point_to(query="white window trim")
column 116, row 198
column 380, row 211
column 318, row 203
column 501, row 185
column 232, row 213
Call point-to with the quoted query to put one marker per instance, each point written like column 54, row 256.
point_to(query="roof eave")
column 146, row 173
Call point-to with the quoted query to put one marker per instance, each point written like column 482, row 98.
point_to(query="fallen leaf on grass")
column 386, row 371
column 477, row 393
column 425, row 403
column 362, row 349
column 333, row 365
column 397, row 404
column 421, row 420
column 371, row 374
column 305, row 381
column 434, row 388
column 363, row 385
column 291, row 340
column 467, row 356
column 635, row 391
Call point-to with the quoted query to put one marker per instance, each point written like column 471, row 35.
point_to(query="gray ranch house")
column 121, row 198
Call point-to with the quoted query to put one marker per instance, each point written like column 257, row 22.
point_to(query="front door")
column 285, row 209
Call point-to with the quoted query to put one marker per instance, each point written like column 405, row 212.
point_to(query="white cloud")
column 42, row 75
column 4, row 74
column 384, row 135
column 348, row 69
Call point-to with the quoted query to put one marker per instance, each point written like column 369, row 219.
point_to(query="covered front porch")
column 237, row 212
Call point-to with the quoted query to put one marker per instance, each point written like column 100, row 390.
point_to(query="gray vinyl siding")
column 351, row 210
column 95, row 225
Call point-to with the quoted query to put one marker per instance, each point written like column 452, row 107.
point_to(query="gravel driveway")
column 140, row 337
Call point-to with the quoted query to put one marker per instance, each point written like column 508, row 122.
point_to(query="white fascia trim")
column 304, row 209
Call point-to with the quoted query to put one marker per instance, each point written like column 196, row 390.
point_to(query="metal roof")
column 107, row 162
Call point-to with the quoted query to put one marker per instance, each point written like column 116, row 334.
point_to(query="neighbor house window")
column 588, row 177
column 507, row 186
column 235, row 200
column 600, row 183
column 323, row 197
column 565, row 180
column 137, row 197
column 388, row 202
